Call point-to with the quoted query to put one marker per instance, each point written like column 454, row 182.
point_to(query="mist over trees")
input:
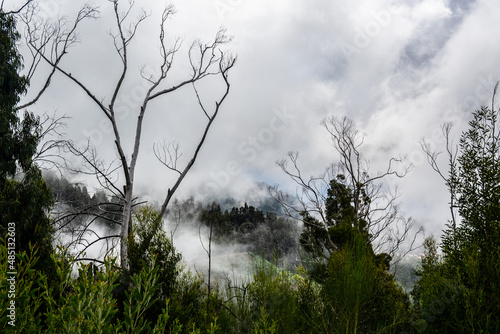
column 347, row 195
column 323, row 261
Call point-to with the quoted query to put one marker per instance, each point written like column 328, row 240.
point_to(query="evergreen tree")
column 345, row 221
column 24, row 196
column 358, row 292
column 465, row 282
column 476, row 179
column 18, row 142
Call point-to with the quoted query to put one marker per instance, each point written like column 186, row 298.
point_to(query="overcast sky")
column 399, row 69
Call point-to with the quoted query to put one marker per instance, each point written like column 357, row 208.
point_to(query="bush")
column 84, row 304
column 360, row 296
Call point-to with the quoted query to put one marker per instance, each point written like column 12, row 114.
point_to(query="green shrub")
column 361, row 297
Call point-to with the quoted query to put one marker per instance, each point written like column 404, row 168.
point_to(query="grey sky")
column 399, row 69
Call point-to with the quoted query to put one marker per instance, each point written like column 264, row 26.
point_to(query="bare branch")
column 15, row 11
column 94, row 242
column 452, row 154
column 50, row 154
column 371, row 201
column 49, row 42
column 96, row 167
column 168, row 153
column 59, row 38
column 209, row 55
column 225, row 65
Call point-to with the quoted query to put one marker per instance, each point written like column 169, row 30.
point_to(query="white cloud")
column 431, row 10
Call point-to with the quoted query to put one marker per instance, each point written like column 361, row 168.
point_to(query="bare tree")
column 209, row 252
column 16, row 10
column 49, row 42
column 373, row 202
column 50, row 154
column 49, row 126
column 451, row 155
column 47, row 129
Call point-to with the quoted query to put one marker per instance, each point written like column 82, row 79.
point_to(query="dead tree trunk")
column 50, row 41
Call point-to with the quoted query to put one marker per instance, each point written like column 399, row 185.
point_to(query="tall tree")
column 14, row 148
column 358, row 292
column 476, row 181
column 24, row 197
column 465, row 280
column 347, row 192
column 350, row 232
column 205, row 60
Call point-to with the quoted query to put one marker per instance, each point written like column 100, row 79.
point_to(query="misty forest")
column 85, row 248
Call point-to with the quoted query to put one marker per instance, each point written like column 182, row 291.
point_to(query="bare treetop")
column 371, row 201
column 50, row 41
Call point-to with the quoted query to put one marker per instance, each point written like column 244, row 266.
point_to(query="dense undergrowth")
column 100, row 300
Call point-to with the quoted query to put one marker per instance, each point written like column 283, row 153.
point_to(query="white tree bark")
column 50, row 42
